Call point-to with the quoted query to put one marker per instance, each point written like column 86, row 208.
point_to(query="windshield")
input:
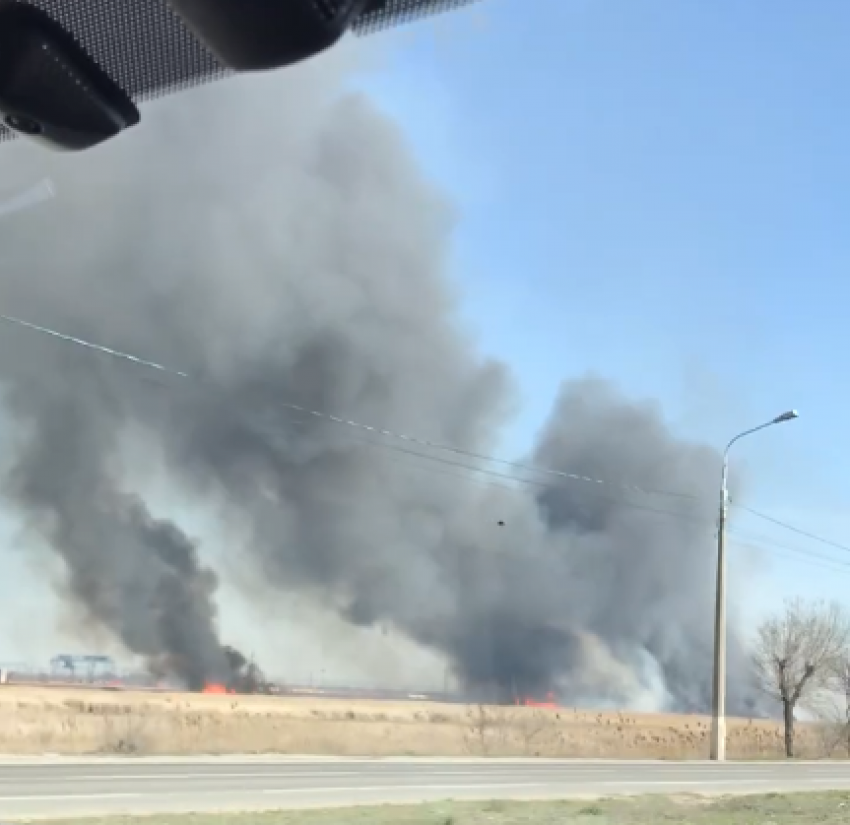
column 406, row 371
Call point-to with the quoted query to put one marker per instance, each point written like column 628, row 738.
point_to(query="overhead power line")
column 478, row 474
column 798, row 530
column 770, row 544
column 318, row 414
column 497, row 479
column 491, row 477
column 798, row 557
column 516, row 484
column 531, row 482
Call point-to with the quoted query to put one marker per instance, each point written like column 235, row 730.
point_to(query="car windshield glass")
column 406, row 371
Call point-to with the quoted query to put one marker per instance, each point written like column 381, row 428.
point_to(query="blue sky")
column 658, row 192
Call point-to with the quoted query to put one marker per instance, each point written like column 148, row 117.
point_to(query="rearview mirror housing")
column 50, row 89
column 259, row 35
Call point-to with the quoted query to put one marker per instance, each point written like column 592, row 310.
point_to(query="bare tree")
column 796, row 655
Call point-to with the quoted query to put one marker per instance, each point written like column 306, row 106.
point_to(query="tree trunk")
column 788, row 708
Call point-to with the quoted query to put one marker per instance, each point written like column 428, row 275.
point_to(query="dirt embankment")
column 34, row 720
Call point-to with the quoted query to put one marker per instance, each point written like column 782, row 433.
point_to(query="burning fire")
column 215, row 688
column 527, row 701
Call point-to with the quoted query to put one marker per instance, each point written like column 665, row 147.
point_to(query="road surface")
column 64, row 787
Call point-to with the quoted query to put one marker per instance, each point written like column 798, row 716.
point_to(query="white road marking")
column 181, row 777
column 383, row 788
column 69, row 797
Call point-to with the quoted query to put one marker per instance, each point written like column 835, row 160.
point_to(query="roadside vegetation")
column 802, row 662
column 776, row 809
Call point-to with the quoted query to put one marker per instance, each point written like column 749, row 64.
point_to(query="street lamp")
column 718, row 697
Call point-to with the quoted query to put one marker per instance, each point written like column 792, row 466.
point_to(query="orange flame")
column 528, row 702
column 216, row 688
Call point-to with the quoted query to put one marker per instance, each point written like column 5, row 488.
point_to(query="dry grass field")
column 51, row 720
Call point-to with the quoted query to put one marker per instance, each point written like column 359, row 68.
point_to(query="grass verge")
column 776, row 809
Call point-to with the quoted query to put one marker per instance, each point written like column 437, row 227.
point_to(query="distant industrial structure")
column 101, row 672
column 98, row 671
column 89, row 667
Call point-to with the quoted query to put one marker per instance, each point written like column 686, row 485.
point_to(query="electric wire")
column 798, row 530
column 502, row 478
column 319, row 414
column 499, row 479
column 760, row 541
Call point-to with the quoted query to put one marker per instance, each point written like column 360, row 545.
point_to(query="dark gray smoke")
column 136, row 575
column 275, row 238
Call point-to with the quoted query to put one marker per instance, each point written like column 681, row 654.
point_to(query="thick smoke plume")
column 276, row 238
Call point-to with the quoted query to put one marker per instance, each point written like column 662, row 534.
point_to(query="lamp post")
column 718, row 697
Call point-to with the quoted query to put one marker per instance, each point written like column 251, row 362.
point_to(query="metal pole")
column 718, row 694
column 717, row 749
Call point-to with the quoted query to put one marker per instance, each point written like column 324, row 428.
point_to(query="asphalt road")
column 62, row 787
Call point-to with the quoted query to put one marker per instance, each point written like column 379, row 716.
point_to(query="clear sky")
column 658, row 192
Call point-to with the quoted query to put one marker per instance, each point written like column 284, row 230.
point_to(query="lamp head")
column 786, row 416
